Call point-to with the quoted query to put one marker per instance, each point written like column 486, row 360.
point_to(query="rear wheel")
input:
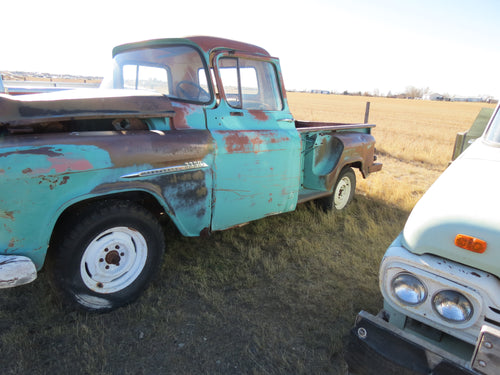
column 108, row 255
column 343, row 192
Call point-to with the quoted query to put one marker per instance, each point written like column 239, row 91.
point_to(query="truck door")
column 257, row 157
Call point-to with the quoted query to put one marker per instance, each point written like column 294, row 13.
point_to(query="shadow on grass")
column 277, row 296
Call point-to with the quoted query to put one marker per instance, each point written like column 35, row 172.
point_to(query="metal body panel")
column 82, row 104
column 257, row 165
column 441, row 213
column 45, row 174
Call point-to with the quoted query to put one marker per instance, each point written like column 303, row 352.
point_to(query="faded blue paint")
column 257, row 165
column 35, row 183
column 321, row 153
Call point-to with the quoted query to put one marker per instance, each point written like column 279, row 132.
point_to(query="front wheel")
column 108, row 255
column 343, row 192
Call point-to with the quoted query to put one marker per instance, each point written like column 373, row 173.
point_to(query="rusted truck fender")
column 172, row 168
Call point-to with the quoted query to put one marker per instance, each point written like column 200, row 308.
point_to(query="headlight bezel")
column 433, row 284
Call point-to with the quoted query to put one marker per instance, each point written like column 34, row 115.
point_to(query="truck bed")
column 305, row 126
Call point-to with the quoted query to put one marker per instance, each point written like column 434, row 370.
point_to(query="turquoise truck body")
column 212, row 144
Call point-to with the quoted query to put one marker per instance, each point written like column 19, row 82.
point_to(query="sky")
column 377, row 46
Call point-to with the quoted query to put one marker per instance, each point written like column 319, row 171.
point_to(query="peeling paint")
column 236, row 142
column 7, row 214
column 259, row 115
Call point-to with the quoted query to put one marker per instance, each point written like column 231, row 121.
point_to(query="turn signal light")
column 470, row 243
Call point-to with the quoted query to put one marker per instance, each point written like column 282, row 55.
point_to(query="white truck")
column 440, row 277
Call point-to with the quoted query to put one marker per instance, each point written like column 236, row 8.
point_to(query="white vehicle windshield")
column 493, row 131
column 175, row 71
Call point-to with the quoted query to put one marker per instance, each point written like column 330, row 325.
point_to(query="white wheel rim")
column 342, row 193
column 113, row 260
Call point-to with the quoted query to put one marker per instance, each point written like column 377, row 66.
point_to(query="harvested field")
column 415, row 138
column 277, row 296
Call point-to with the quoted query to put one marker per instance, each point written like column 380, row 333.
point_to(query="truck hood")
column 82, row 104
column 463, row 200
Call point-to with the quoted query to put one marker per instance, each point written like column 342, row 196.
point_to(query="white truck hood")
column 464, row 200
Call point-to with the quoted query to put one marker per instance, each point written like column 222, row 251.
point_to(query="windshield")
column 175, row 71
column 493, row 132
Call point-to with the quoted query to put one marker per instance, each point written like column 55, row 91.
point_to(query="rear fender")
column 326, row 154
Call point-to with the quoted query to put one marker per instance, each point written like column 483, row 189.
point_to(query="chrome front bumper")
column 16, row 270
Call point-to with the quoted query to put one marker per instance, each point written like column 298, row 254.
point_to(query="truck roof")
column 207, row 44
column 82, row 104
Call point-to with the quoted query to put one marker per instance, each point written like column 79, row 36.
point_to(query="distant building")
column 466, row 99
column 321, row 92
column 433, row 96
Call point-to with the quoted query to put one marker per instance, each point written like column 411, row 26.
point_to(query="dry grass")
column 277, row 296
column 415, row 138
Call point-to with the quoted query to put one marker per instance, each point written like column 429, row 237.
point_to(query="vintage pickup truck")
column 197, row 130
column 440, row 277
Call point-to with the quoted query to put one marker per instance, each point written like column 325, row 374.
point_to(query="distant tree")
column 414, row 92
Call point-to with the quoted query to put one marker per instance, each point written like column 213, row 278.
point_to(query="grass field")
column 277, row 296
column 415, row 138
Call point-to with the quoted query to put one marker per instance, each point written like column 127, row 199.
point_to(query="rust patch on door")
column 259, row 115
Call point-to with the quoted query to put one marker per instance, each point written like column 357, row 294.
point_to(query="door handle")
column 236, row 113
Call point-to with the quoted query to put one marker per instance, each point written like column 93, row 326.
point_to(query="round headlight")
column 408, row 289
column 453, row 306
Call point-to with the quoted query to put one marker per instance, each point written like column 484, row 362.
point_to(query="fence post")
column 367, row 112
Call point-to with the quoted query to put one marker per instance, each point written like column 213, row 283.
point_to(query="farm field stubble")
column 277, row 296
column 415, row 138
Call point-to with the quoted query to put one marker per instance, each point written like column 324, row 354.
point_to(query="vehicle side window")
column 250, row 84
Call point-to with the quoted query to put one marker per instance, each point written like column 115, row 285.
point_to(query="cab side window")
column 250, row 84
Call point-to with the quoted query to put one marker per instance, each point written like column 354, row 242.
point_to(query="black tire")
column 108, row 255
column 343, row 191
